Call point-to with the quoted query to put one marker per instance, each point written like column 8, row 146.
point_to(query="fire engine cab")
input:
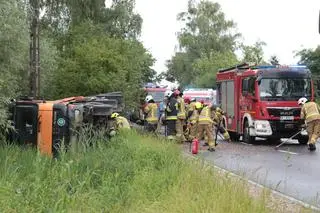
column 261, row 101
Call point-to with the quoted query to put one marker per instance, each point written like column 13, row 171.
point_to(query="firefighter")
column 205, row 125
column 151, row 111
column 171, row 112
column 120, row 122
column 181, row 117
column 310, row 112
column 217, row 121
column 186, row 102
column 192, row 119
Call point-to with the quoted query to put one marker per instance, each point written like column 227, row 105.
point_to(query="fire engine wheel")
column 246, row 134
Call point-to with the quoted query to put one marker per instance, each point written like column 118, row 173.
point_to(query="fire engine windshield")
column 272, row 89
column 157, row 96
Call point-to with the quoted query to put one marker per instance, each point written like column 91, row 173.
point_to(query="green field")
column 130, row 173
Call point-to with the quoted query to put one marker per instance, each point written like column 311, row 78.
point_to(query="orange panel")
column 45, row 128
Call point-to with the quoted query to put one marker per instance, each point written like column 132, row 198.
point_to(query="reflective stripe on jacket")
column 152, row 112
column 172, row 109
column 310, row 112
column 205, row 116
column 193, row 114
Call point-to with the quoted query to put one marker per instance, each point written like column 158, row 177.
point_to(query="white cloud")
column 285, row 25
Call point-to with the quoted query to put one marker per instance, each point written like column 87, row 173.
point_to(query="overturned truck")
column 46, row 124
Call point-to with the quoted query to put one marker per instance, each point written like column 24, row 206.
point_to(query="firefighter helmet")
column 168, row 93
column 114, row 115
column 198, row 105
column 302, row 101
column 176, row 92
column 149, row 98
column 187, row 99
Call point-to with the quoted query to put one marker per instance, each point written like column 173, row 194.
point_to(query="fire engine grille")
column 285, row 128
column 284, row 112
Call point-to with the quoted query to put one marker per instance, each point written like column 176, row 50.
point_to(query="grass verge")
column 130, row 173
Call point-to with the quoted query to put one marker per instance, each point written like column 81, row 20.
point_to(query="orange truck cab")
column 44, row 124
column 261, row 101
column 48, row 124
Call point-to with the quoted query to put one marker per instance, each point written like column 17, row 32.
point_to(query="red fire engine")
column 261, row 101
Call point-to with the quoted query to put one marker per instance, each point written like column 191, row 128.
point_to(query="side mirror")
column 259, row 80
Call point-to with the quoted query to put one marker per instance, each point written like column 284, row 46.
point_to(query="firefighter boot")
column 211, row 149
column 312, row 147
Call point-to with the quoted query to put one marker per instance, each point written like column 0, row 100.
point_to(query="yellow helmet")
column 198, row 105
column 114, row 115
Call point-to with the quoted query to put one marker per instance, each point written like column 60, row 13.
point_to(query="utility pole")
column 34, row 49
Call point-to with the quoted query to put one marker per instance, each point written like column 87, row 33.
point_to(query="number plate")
column 286, row 118
column 288, row 126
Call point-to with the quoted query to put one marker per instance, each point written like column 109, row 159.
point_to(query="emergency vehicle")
column 208, row 96
column 261, row 101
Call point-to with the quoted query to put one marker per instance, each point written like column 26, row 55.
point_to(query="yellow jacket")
column 310, row 112
column 152, row 113
column 218, row 115
column 122, row 123
column 181, row 108
column 193, row 113
column 205, row 116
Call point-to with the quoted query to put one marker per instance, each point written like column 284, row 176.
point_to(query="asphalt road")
column 292, row 169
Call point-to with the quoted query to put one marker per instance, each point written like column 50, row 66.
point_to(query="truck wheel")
column 246, row 134
column 303, row 140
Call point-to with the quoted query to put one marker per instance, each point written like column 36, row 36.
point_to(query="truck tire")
column 246, row 134
column 303, row 140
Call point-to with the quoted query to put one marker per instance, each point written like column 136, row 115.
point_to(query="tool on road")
column 288, row 139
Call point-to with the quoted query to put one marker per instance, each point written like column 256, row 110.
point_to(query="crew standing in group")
column 310, row 112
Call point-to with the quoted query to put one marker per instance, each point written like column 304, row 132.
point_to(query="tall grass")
column 129, row 173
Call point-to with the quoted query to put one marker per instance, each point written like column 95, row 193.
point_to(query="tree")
column 14, row 53
column 253, row 54
column 274, row 60
column 205, row 35
column 102, row 64
column 310, row 58
column 119, row 20
column 207, row 68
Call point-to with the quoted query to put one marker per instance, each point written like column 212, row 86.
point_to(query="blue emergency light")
column 290, row 67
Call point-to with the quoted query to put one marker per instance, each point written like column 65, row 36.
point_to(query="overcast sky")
column 285, row 25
